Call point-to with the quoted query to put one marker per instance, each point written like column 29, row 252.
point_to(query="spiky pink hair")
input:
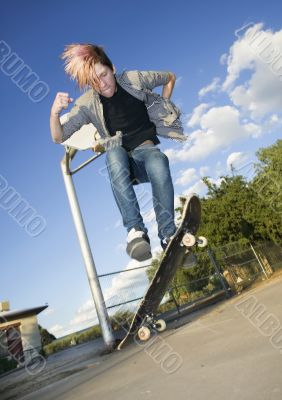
column 80, row 60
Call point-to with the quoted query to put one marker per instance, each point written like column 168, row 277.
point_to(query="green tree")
column 227, row 211
column 236, row 211
column 267, row 184
column 46, row 337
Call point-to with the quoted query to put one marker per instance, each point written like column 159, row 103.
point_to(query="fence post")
column 170, row 291
column 217, row 270
column 260, row 264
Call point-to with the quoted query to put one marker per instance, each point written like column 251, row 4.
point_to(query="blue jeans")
column 145, row 163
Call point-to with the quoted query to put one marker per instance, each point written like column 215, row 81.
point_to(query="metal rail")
column 93, row 279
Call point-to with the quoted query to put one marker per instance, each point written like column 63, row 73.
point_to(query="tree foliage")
column 238, row 211
column 46, row 337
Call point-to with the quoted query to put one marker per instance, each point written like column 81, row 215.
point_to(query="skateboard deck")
column 184, row 238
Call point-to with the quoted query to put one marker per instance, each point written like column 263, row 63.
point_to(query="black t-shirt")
column 123, row 112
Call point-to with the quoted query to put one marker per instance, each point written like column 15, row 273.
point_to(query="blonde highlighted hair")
column 80, row 60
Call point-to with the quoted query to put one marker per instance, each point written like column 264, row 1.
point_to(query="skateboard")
column 145, row 319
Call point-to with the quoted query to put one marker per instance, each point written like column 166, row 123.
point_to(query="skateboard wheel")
column 188, row 240
column 202, row 241
column 160, row 325
column 144, row 333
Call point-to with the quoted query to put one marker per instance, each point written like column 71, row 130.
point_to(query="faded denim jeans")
column 146, row 163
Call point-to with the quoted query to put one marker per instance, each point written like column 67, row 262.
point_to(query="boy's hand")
column 99, row 148
column 62, row 100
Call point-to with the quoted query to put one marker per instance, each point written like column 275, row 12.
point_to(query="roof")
column 7, row 316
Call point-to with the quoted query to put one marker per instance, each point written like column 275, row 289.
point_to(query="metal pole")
column 170, row 290
column 260, row 264
column 88, row 259
column 217, row 270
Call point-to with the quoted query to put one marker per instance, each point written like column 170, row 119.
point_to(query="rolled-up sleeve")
column 75, row 119
column 152, row 79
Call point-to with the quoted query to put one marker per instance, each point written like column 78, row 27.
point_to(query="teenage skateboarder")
column 129, row 117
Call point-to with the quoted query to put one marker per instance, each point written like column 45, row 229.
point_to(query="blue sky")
column 227, row 88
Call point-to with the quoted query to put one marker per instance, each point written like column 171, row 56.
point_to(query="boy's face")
column 107, row 83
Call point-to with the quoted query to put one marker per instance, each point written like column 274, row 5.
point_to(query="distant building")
column 19, row 333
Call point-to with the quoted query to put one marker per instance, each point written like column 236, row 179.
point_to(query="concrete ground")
column 232, row 350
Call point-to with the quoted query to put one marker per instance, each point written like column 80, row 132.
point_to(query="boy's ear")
column 114, row 69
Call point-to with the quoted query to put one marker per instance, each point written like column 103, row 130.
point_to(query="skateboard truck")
column 150, row 323
column 190, row 240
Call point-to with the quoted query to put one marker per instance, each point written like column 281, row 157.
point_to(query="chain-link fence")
column 270, row 255
column 244, row 263
column 123, row 290
column 226, row 269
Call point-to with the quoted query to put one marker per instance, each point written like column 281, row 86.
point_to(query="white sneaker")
column 138, row 245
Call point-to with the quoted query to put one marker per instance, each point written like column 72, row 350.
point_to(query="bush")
column 7, row 365
column 73, row 339
column 121, row 320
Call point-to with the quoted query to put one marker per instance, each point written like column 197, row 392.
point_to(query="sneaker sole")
column 140, row 251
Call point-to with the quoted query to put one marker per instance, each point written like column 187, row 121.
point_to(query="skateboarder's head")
column 89, row 66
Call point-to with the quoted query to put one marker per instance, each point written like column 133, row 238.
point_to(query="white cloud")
column 127, row 285
column 260, row 52
column 220, row 127
column 204, row 171
column 223, row 59
column 259, row 96
column 86, row 314
column 199, row 188
column 60, row 331
column 156, row 251
column 242, row 164
column 123, row 287
column 153, row 230
column 186, row 176
column 240, row 57
column 219, row 169
column 272, row 123
column 177, row 202
column 274, row 119
column 197, row 114
column 236, row 160
column 256, row 101
column 217, row 181
column 149, row 216
column 55, row 329
column 212, row 87
column 48, row 311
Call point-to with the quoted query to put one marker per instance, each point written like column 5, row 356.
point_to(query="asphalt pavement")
column 232, row 350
